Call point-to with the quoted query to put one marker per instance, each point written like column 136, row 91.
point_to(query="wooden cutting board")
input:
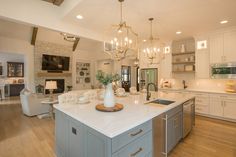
column 117, row 107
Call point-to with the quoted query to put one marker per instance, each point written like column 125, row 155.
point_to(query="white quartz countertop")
column 135, row 112
column 198, row 90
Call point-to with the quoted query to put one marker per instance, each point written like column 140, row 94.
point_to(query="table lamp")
column 51, row 85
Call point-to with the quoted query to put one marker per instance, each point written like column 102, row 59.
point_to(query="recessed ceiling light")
column 224, row 22
column 178, row 32
column 144, row 40
column 79, row 17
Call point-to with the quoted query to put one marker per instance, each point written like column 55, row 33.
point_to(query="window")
column 202, row 45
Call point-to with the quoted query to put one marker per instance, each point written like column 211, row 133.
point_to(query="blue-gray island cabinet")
column 74, row 139
column 141, row 129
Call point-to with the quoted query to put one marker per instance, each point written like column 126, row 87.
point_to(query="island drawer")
column 130, row 135
column 141, row 147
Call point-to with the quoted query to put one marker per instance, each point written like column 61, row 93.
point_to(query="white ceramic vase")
column 109, row 98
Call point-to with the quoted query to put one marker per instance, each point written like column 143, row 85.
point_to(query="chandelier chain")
column 121, row 12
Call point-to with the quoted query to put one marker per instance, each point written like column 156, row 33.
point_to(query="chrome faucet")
column 148, row 90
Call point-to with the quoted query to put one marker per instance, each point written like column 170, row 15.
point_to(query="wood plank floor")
column 21, row 136
column 209, row 138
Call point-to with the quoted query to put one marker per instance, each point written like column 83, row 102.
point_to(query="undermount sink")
column 162, row 102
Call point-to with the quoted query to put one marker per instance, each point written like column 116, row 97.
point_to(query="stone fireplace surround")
column 42, row 47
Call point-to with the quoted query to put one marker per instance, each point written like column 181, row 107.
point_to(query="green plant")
column 105, row 79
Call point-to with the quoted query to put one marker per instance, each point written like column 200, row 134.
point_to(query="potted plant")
column 106, row 80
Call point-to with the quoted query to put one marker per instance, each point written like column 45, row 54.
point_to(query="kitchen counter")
column 196, row 90
column 135, row 112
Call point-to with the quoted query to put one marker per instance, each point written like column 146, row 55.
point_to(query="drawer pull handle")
column 135, row 153
column 139, row 132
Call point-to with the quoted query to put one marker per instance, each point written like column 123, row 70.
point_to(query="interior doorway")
column 126, row 77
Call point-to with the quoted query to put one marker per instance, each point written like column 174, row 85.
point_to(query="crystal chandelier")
column 152, row 47
column 121, row 40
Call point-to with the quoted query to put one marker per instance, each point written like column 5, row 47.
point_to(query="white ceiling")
column 189, row 16
column 24, row 32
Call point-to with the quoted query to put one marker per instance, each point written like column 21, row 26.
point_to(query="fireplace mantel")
column 46, row 74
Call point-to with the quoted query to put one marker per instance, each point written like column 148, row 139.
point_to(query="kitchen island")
column 82, row 131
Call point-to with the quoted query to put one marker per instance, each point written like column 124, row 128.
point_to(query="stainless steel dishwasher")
column 188, row 116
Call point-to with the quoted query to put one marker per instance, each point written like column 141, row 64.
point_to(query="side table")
column 51, row 103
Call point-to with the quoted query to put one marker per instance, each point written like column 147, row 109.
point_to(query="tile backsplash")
column 200, row 84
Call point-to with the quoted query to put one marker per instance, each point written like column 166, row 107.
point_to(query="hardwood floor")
column 22, row 136
column 209, row 138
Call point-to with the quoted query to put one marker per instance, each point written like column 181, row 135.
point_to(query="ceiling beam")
column 75, row 43
column 55, row 2
column 34, row 35
column 58, row 2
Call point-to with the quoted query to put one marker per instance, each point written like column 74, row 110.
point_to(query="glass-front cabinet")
column 15, row 69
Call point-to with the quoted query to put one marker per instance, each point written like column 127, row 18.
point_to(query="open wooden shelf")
column 185, row 53
column 183, row 63
column 183, row 71
column 46, row 74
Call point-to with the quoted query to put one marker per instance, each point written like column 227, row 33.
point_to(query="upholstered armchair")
column 31, row 103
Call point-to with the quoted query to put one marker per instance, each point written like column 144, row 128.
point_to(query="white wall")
column 10, row 45
column 88, row 57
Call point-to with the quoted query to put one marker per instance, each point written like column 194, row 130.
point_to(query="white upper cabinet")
column 166, row 68
column 216, row 48
column 202, row 59
column 223, row 47
column 202, row 64
column 230, row 46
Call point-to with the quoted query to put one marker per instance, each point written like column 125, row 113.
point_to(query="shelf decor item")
column 182, row 48
column 106, row 80
column 188, row 67
column 120, row 40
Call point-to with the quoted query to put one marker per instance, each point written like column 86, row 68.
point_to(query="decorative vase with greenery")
column 106, row 80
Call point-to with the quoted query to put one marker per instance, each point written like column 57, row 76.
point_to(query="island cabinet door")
column 61, row 134
column 77, row 143
column 98, row 145
column 174, row 130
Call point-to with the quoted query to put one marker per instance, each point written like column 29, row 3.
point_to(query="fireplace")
column 60, row 86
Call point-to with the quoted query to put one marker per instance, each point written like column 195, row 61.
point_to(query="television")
column 55, row 63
